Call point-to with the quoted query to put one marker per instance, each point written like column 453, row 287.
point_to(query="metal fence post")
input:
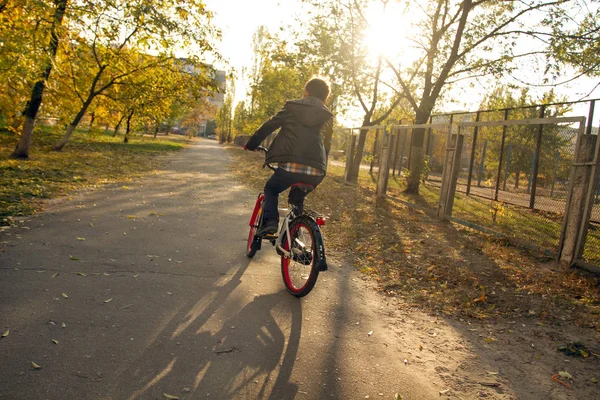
column 498, row 177
column 450, row 174
column 384, row 166
column 536, row 165
column 590, row 118
column 374, row 150
column 482, row 163
column 405, row 134
column 472, row 161
column 508, row 156
column 580, row 198
column 555, row 173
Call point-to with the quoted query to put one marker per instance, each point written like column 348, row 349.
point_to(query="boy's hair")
column 318, row 88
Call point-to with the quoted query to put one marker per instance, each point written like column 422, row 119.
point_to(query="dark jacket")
column 305, row 136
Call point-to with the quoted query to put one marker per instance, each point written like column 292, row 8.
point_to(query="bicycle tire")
column 254, row 242
column 300, row 271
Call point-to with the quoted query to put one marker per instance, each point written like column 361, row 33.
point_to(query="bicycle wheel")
column 299, row 269
column 254, row 242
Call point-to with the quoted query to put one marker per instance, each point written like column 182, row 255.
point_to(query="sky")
column 239, row 20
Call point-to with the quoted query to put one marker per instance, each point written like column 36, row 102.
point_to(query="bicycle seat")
column 305, row 187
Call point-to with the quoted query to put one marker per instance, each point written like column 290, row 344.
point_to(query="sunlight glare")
column 381, row 34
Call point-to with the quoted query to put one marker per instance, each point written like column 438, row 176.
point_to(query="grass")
column 89, row 159
column 434, row 265
column 533, row 228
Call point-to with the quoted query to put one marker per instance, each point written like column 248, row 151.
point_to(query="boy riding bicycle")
column 299, row 150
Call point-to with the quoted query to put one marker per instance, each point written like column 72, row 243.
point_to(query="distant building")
column 219, row 97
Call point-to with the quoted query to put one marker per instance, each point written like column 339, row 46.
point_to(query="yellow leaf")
column 55, row 275
column 125, row 187
column 35, row 366
column 490, row 340
column 108, row 300
column 64, row 295
column 5, row 334
column 73, row 258
column 170, row 397
column 54, row 341
column 80, row 238
column 81, row 274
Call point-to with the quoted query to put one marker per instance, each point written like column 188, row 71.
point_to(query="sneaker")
column 268, row 228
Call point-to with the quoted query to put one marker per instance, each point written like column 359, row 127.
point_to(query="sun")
column 387, row 30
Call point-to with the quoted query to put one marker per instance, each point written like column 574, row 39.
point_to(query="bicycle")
column 298, row 241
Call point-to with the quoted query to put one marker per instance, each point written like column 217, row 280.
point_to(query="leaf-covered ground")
column 439, row 266
column 90, row 158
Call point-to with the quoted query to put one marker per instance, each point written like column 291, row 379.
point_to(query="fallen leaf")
column 108, row 300
column 41, row 272
column 35, row 366
column 370, row 333
column 64, row 295
column 55, row 275
column 54, row 341
column 106, row 274
column 64, row 325
column 170, row 397
column 5, row 334
column 491, row 373
column 91, row 225
column 480, row 298
column 73, row 258
column 594, row 380
column 81, row 274
column 565, row 375
column 489, row 340
column 81, row 238
column 136, row 275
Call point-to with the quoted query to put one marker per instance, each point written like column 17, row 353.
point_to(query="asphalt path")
column 142, row 290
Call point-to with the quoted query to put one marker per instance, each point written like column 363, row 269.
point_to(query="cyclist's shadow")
column 251, row 348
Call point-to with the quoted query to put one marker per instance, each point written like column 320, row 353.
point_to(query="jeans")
column 277, row 183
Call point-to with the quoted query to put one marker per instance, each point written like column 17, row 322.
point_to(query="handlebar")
column 264, row 150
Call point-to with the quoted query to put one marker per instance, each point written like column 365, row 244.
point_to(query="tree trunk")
column 92, row 118
column 358, row 155
column 129, row 117
column 156, row 130
column 517, row 176
column 37, row 93
column 118, row 126
column 71, row 127
column 417, row 154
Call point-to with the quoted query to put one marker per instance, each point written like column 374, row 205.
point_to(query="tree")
column 460, row 40
column 336, row 44
column 240, row 119
column 112, row 35
column 521, row 140
column 575, row 38
column 224, row 119
column 37, row 92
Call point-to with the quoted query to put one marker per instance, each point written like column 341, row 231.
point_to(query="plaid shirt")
column 301, row 169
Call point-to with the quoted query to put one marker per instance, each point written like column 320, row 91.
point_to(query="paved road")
column 145, row 289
